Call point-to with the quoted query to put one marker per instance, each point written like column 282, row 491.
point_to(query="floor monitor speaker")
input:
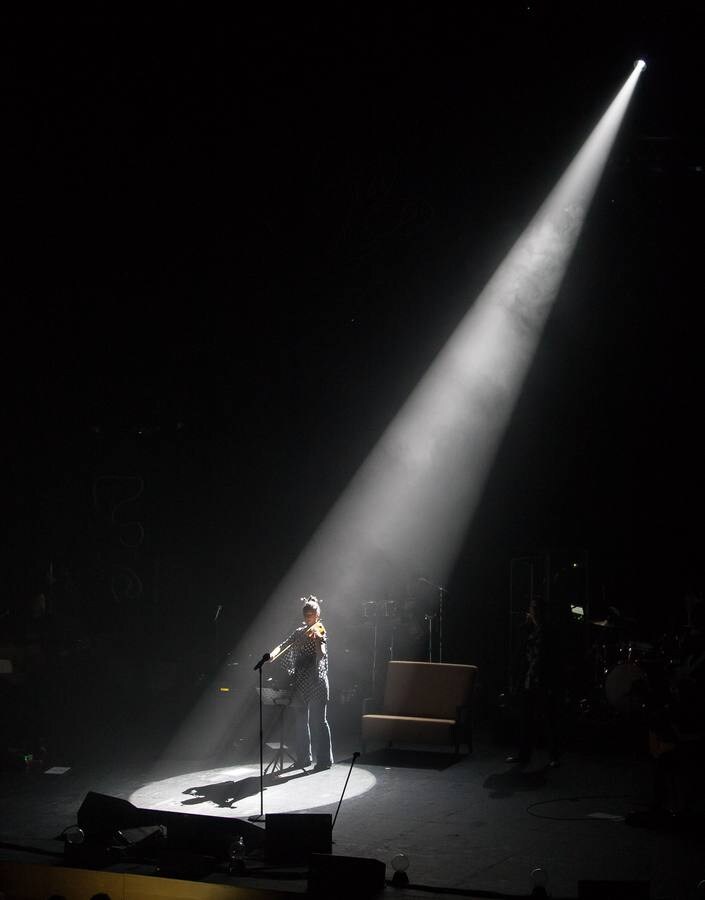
column 345, row 876
column 292, row 837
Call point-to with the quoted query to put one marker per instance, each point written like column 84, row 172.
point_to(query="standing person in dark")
column 677, row 736
column 539, row 690
column 305, row 656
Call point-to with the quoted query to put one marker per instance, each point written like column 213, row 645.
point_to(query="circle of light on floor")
column 235, row 791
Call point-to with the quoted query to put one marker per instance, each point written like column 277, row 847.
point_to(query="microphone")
column 264, row 659
column 438, row 587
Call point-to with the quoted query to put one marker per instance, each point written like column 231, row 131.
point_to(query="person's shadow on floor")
column 227, row 794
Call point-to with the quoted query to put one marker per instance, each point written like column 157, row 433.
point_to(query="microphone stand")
column 429, row 617
column 442, row 592
column 260, row 817
column 354, row 757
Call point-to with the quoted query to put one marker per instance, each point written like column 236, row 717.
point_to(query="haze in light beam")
column 412, row 499
column 409, row 505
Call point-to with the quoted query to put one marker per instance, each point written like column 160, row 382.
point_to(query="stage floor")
column 475, row 824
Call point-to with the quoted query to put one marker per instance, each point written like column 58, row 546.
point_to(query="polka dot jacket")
column 306, row 662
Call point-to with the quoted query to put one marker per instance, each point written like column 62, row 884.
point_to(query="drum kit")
column 395, row 612
column 401, row 625
column 631, row 674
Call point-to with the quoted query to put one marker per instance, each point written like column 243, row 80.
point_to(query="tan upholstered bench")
column 424, row 703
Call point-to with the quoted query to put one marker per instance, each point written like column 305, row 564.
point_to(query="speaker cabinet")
column 292, row 837
column 345, row 876
column 100, row 816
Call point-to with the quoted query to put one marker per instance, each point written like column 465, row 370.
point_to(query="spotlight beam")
column 409, row 505
column 412, row 499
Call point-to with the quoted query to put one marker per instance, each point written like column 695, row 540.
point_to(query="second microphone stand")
column 442, row 594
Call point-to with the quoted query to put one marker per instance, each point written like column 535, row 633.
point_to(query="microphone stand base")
column 258, row 818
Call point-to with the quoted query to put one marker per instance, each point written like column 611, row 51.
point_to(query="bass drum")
column 626, row 688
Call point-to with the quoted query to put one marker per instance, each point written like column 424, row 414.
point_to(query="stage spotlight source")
column 639, row 65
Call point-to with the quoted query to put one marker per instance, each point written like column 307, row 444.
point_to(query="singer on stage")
column 305, row 657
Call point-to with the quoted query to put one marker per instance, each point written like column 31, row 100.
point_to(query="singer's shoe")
column 322, row 767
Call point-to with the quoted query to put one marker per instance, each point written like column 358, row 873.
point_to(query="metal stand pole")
column 355, row 756
column 442, row 592
column 260, row 817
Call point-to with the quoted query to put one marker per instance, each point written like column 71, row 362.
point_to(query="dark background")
column 233, row 245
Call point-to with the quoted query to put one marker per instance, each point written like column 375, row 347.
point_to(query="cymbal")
column 612, row 623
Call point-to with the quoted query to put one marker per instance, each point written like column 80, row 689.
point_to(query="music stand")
column 279, row 699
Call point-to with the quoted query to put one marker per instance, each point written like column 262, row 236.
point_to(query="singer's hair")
column 311, row 604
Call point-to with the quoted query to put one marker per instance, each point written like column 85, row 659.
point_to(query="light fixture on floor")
column 400, row 863
column 74, row 835
column 539, row 877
